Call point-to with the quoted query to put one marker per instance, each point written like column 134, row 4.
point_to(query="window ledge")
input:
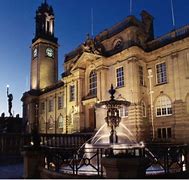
column 124, row 117
column 89, row 96
column 164, row 116
column 118, row 87
column 161, row 84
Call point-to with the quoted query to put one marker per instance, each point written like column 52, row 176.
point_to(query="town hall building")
column 151, row 73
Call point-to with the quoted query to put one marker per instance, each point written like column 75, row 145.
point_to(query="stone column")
column 55, row 111
column 179, row 108
column 103, row 79
column 135, row 115
column 33, row 113
column 176, row 76
column 135, row 123
column 133, row 79
column 80, row 94
column 33, row 160
column 99, row 85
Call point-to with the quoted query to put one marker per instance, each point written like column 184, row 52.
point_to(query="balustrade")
column 168, row 38
column 12, row 143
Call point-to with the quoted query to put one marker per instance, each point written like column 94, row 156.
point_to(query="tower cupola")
column 45, row 23
column 44, row 49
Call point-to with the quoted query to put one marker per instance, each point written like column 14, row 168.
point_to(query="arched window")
column 143, row 106
column 163, row 106
column 60, row 122
column 93, row 83
column 50, row 123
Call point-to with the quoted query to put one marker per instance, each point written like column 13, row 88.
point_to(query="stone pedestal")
column 33, row 159
column 134, row 167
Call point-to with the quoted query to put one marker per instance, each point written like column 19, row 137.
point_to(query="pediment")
column 85, row 60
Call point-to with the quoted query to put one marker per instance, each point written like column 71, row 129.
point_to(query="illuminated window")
column 123, row 112
column 120, row 77
column 161, row 73
column 163, row 106
column 93, row 83
column 141, row 75
column 143, row 105
column 60, row 102
column 50, row 105
column 72, row 93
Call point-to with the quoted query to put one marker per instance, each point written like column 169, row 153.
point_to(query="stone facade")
column 151, row 73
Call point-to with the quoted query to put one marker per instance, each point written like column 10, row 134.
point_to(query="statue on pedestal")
column 10, row 98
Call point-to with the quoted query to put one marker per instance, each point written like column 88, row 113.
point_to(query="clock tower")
column 44, row 50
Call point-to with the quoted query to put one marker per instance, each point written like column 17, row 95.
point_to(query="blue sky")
column 72, row 23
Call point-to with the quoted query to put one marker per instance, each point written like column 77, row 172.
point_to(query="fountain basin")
column 136, row 149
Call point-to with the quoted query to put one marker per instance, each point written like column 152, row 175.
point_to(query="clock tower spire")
column 44, row 62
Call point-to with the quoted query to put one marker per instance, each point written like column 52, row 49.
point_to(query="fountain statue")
column 113, row 132
column 113, row 119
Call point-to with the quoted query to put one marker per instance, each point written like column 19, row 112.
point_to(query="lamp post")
column 150, row 76
column 7, row 89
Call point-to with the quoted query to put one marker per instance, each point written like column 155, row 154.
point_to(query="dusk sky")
column 72, row 23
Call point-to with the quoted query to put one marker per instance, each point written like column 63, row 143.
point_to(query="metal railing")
column 85, row 161
column 167, row 158
column 71, row 161
column 67, row 157
column 162, row 159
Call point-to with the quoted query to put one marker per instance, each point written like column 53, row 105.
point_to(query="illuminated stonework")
column 44, row 63
column 154, row 78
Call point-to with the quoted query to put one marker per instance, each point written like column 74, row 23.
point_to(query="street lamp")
column 150, row 76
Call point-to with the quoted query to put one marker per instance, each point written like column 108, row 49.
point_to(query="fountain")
column 113, row 119
column 115, row 139
column 113, row 135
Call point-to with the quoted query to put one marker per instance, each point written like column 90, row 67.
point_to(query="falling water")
column 102, row 136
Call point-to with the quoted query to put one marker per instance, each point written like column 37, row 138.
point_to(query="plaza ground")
column 11, row 167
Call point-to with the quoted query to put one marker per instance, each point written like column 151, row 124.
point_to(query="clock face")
column 35, row 53
column 50, row 52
